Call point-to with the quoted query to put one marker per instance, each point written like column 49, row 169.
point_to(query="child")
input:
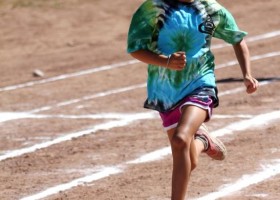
column 173, row 37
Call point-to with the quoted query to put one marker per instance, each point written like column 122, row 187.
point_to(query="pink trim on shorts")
column 170, row 119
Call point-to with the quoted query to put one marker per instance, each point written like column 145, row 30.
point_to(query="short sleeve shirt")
column 168, row 26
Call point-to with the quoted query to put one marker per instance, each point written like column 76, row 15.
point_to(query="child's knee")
column 180, row 142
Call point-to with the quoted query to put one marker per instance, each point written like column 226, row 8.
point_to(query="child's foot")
column 214, row 148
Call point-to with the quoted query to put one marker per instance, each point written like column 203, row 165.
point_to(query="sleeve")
column 227, row 28
column 142, row 27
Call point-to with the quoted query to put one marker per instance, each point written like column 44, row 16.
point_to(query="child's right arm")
column 175, row 61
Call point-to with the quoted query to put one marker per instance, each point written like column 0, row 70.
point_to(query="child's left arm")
column 243, row 56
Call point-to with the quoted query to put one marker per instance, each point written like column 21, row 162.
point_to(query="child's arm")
column 243, row 56
column 175, row 61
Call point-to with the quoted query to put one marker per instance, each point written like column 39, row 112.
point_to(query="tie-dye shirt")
column 168, row 26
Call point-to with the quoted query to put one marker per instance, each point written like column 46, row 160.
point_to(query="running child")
column 173, row 37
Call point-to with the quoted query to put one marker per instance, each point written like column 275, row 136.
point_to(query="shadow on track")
column 231, row 80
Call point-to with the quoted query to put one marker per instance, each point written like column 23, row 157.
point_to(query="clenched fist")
column 177, row 61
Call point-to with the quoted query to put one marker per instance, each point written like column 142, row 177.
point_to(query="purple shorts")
column 170, row 119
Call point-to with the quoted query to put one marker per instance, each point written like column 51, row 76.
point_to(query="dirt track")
column 90, row 123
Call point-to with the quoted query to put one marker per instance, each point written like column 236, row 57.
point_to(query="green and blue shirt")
column 168, row 26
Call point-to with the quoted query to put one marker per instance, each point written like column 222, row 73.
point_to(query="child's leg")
column 197, row 147
column 185, row 149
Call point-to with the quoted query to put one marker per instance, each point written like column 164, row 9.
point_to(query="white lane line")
column 133, row 87
column 241, row 89
column 7, row 116
column 255, row 122
column 258, row 121
column 251, row 39
column 120, row 90
column 216, row 116
column 112, row 124
column 90, row 97
column 70, row 136
column 263, row 36
column 123, row 120
column 122, row 64
column 151, row 157
column 102, row 174
column 267, row 172
column 70, row 75
column 253, row 58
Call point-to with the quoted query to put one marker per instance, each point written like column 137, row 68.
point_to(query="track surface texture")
column 80, row 132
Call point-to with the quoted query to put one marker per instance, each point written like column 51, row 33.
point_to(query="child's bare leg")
column 197, row 147
column 185, row 149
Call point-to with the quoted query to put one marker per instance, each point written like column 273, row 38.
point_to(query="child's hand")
column 177, row 61
column 251, row 84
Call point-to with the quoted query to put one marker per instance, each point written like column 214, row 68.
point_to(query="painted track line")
column 70, row 136
column 252, row 58
column 121, row 90
column 102, row 174
column 121, row 64
column 258, row 121
column 251, row 39
column 33, row 148
column 70, row 75
column 267, row 172
column 138, row 86
column 241, row 89
column 90, row 97
column 105, row 126
column 8, row 116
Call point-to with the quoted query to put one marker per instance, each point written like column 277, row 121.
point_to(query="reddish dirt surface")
column 61, row 38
